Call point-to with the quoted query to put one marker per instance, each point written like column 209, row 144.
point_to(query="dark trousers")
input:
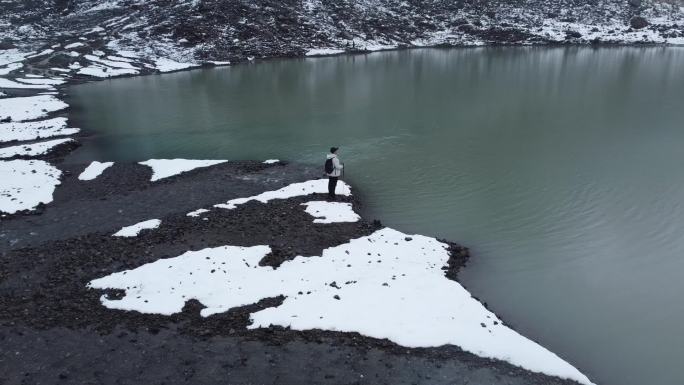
column 332, row 184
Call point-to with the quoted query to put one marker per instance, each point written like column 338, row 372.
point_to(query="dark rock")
column 572, row 35
column 466, row 28
column 6, row 44
column 638, row 22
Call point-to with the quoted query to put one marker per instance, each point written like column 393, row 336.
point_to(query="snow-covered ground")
column 197, row 212
column 324, row 51
column 331, row 212
column 396, row 281
column 39, row 80
column 387, row 285
column 31, row 107
column 33, row 149
column 12, row 56
column 100, row 71
column 164, row 168
column 168, row 65
column 316, row 186
column 17, row 131
column 134, row 230
column 94, row 170
column 12, row 85
column 26, row 183
column 10, row 68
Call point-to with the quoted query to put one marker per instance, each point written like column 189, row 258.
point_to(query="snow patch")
column 10, row 84
column 316, row 186
column 111, row 63
column 31, row 107
column 128, row 54
column 94, row 170
column 74, row 45
column 12, row 56
column 99, row 71
column 164, row 168
column 26, row 184
column 134, row 230
column 33, row 149
column 35, row 130
column 42, row 53
column 42, row 81
column 197, row 212
column 168, row 65
column 394, row 280
column 10, row 67
column 120, row 58
column 323, row 51
column 331, row 212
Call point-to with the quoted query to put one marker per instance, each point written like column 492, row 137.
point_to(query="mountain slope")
column 237, row 30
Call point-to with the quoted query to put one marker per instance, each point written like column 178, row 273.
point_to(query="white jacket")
column 337, row 165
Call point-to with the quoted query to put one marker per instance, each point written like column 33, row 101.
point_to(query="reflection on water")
column 560, row 168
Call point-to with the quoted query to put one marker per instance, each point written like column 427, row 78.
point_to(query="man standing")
column 333, row 169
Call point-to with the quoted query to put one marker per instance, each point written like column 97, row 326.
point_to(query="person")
column 333, row 169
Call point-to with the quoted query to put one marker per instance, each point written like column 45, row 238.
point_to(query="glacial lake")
column 561, row 168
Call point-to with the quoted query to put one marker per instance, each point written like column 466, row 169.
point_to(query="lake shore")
column 47, row 307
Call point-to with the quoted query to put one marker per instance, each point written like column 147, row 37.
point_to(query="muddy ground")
column 54, row 330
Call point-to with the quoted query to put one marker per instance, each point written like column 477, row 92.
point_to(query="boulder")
column 638, row 22
column 6, row 44
column 572, row 35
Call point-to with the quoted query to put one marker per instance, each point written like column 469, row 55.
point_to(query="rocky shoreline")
column 229, row 30
column 46, row 307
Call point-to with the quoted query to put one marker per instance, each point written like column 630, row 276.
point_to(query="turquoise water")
column 561, row 169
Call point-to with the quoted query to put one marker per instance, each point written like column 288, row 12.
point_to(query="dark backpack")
column 329, row 166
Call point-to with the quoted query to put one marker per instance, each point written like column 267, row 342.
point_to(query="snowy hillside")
column 230, row 30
